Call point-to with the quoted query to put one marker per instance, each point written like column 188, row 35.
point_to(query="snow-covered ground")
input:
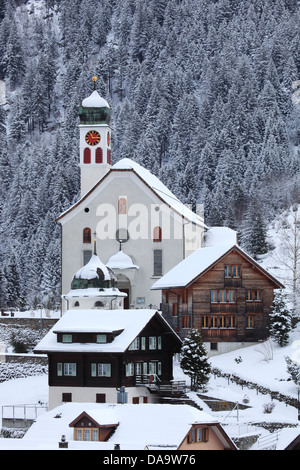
column 259, row 364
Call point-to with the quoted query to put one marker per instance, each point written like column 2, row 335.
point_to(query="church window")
column 157, row 234
column 157, row 263
column 99, row 304
column 87, row 235
column 87, row 254
column 108, row 156
column 87, row 155
column 99, row 155
column 122, row 205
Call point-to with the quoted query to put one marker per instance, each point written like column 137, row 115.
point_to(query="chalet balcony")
column 172, row 388
column 254, row 307
column 218, row 334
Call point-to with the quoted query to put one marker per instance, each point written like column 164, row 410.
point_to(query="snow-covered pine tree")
column 293, row 369
column 280, row 320
column 194, row 360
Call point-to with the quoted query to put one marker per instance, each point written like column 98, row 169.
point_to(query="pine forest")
column 204, row 93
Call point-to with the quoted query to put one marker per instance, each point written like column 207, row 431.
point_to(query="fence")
column 21, row 416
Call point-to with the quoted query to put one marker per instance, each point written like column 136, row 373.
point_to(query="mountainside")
column 203, row 93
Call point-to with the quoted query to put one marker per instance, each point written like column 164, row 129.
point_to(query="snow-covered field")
column 255, row 364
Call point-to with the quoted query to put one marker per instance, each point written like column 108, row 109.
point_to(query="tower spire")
column 95, row 239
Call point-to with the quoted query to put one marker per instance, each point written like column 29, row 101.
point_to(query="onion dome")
column 121, row 261
column 94, row 274
column 94, row 110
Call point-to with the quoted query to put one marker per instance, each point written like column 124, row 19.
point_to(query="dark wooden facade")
column 124, row 366
column 229, row 302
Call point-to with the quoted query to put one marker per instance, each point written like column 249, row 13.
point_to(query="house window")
column 100, row 370
column 159, row 344
column 100, row 398
column 135, row 345
column 78, row 435
column 152, row 342
column 250, row 321
column 76, row 304
column 232, row 271
column 99, row 155
column 214, row 346
column 223, row 296
column 129, row 369
column 138, row 368
column 122, row 205
column 66, row 369
column 87, row 155
column 101, row 338
column 253, row 296
column 87, row 235
column 157, row 234
column 157, row 263
column 143, row 343
column 186, row 321
column 174, row 310
column 202, row 434
column 66, row 397
column 218, row 321
column 67, row 338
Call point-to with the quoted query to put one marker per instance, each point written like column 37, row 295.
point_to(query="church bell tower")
column 95, row 139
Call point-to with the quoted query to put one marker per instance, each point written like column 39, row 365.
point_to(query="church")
column 139, row 227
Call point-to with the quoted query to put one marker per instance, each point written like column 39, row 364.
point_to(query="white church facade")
column 141, row 230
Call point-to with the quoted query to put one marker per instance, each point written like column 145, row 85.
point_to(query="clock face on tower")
column 92, row 137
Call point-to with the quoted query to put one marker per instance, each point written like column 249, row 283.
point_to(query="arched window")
column 157, row 234
column 76, row 304
column 108, row 156
column 87, row 155
column 122, row 206
column 99, row 155
column 87, row 235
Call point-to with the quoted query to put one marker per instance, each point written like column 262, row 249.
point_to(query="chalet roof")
column 199, row 262
column 156, row 186
column 148, row 425
column 129, row 322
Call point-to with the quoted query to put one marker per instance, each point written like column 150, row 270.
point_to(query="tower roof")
column 94, row 274
column 94, row 110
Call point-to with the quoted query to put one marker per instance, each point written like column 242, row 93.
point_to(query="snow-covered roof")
column 95, row 101
column 163, row 193
column 216, row 236
column 159, row 188
column 121, row 260
column 129, row 322
column 94, row 292
column 139, row 426
column 89, row 271
column 197, row 263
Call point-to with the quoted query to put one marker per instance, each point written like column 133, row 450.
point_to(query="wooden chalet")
column 221, row 291
column 109, row 356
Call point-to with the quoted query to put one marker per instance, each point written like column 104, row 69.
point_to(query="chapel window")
column 122, row 205
column 99, row 155
column 157, row 234
column 87, row 155
column 87, row 235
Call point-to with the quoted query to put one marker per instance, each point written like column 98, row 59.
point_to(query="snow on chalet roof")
column 220, row 236
column 146, row 425
column 196, row 264
column 121, row 261
column 128, row 323
column 95, row 101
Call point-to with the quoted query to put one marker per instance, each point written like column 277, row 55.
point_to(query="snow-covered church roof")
column 162, row 192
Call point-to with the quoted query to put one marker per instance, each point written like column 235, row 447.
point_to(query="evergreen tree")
column 194, row 361
column 293, row 369
column 280, row 320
